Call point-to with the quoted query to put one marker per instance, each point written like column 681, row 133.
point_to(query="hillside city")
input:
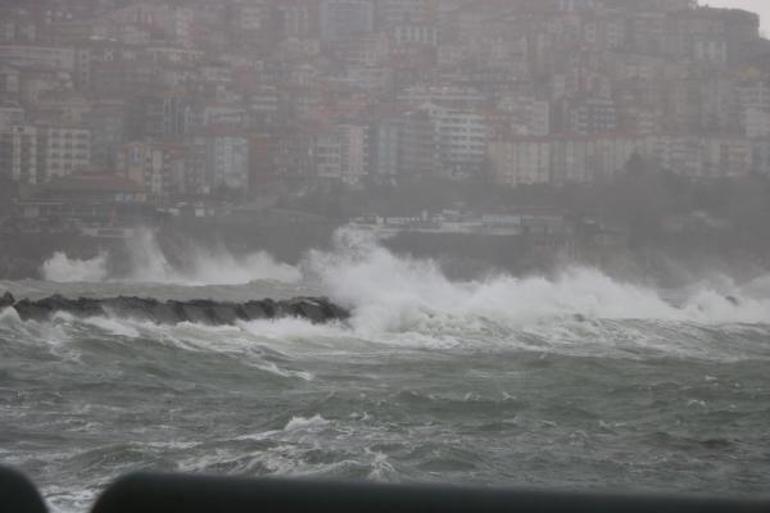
column 115, row 112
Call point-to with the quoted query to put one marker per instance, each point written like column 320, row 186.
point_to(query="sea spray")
column 390, row 293
column 62, row 269
column 148, row 263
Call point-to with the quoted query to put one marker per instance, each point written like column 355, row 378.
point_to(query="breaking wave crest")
column 62, row 269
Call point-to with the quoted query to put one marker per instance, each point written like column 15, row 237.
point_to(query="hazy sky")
column 759, row 6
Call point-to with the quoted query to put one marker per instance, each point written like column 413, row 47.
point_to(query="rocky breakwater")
column 202, row 311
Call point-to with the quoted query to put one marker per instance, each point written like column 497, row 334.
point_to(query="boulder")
column 224, row 313
column 164, row 313
column 133, row 307
column 87, row 307
column 197, row 312
column 309, row 309
column 332, row 310
column 56, row 303
column 178, row 308
column 270, row 308
column 6, row 300
column 31, row 311
column 253, row 311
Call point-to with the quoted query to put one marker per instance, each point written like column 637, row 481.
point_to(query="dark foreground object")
column 147, row 493
column 17, row 494
column 151, row 494
column 203, row 311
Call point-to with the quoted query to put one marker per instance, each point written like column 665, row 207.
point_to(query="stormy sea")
column 574, row 380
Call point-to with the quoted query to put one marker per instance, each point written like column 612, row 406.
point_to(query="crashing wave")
column 388, row 293
column 62, row 269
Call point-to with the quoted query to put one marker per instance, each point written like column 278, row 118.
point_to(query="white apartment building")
column 229, row 162
column 35, row 154
column 525, row 161
column 704, row 157
column 341, row 153
column 20, row 154
column 462, row 139
column 66, row 150
column 558, row 160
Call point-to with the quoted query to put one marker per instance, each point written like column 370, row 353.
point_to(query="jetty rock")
column 317, row 310
column 7, row 300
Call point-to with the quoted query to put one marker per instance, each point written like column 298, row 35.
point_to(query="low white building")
column 563, row 159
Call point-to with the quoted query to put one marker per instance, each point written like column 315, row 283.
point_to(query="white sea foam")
column 62, row 269
column 305, row 423
column 113, row 326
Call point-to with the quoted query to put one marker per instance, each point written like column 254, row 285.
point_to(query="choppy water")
column 577, row 381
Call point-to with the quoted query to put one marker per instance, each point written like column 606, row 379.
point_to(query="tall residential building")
column 592, row 115
column 66, row 150
column 161, row 116
column 342, row 153
column 228, row 161
column 20, row 155
column 158, row 167
column 35, row 154
column 462, row 140
column 404, row 145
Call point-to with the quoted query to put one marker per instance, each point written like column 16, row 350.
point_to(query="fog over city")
column 518, row 243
